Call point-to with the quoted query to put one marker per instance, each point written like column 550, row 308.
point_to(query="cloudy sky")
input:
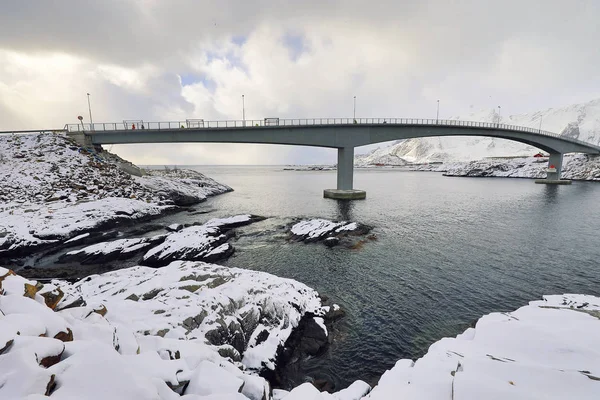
column 178, row 59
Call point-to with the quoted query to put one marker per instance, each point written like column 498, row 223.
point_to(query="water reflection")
column 550, row 193
column 344, row 209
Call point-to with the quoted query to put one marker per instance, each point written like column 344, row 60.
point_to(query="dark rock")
column 80, row 302
column 229, row 351
column 323, row 385
column 133, row 297
column 331, row 241
column 49, row 361
column 65, row 336
column 151, row 294
column 262, row 336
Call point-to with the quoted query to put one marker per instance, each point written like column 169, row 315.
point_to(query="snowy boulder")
column 196, row 243
column 207, row 242
column 119, row 249
column 329, row 232
column 252, row 312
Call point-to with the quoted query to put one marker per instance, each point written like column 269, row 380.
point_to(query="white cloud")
column 398, row 58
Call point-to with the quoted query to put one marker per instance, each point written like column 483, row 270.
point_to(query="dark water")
column 448, row 251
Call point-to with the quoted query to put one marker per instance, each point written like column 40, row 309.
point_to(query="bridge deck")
column 268, row 130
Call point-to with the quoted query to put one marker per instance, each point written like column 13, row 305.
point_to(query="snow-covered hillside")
column 579, row 121
column 51, row 188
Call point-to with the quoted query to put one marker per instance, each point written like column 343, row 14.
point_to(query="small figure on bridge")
column 143, row 126
column 182, row 127
column 132, row 126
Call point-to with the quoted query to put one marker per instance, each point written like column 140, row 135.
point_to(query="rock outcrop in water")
column 207, row 242
column 329, row 232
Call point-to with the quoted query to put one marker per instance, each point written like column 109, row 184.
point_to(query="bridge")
column 343, row 134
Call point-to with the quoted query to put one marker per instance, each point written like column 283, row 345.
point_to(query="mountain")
column 580, row 121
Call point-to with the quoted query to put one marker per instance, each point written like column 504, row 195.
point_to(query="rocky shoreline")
column 166, row 323
column 53, row 190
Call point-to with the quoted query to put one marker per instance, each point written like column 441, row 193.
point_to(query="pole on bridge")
column 90, row 110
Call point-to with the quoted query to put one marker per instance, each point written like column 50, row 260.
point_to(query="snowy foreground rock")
column 200, row 331
column 188, row 328
column 51, row 189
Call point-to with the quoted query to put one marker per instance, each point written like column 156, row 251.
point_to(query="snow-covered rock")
column 207, row 242
column 148, row 333
column 575, row 166
column 578, row 121
column 246, row 314
column 109, row 251
column 52, row 189
column 317, row 229
column 546, row 350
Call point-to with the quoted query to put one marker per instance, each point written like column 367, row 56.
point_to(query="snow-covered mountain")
column 580, row 121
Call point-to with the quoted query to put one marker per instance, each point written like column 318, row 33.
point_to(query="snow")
column 118, row 350
column 78, row 237
column 145, row 334
column 547, row 350
column 209, row 378
column 314, row 228
column 575, row 166
column 349, row 227
column 321, row 322
column 193, row 243
column 119, row 245
column 51, row 189
column 579, row 121
column 236, row 219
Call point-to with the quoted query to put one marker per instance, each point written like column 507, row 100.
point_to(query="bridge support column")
column 554, row 170
column 345, row 178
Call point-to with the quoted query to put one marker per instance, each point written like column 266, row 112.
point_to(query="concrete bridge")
column 343, row 134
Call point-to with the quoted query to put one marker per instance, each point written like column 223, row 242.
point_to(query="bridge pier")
column 554, row 171
column 345, row 178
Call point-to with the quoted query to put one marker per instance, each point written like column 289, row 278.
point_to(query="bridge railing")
column 274, row 123
column 23, row 132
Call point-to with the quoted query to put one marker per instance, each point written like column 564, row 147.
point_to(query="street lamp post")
column 354, row 115
column 90, row 109
column 540, row 130
column 243, row 110
column 499, row 109
column 437, row 115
